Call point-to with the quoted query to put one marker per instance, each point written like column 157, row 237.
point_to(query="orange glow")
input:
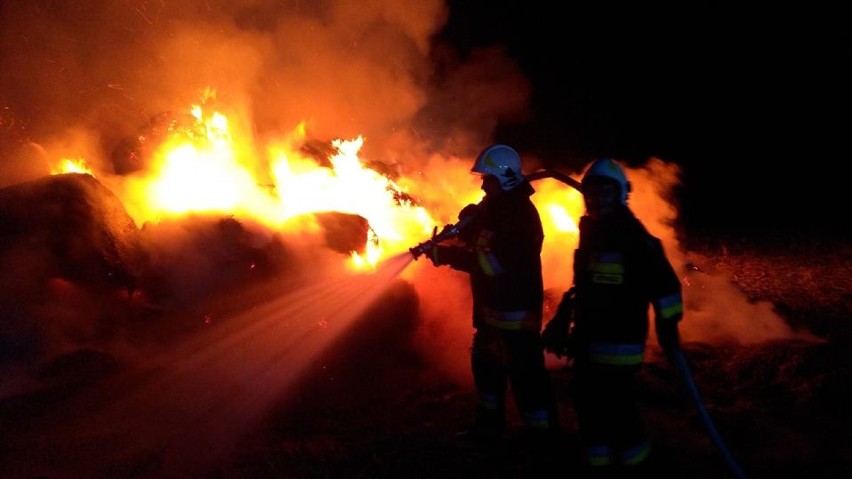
column 209, row 167
column 350, row 187
column 68, row 165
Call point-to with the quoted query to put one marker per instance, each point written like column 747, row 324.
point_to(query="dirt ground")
column 378, row 410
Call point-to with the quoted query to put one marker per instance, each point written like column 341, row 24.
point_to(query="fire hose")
column 680, row 362
column 557, row 176
column 448, row 232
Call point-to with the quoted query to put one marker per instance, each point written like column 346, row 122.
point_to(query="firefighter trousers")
column 608, row 414
column 503, row 361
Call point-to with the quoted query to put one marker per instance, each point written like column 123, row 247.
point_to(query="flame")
column 202, row 169
column 71, row 165
column 205, row 166
column 350, row 187
column 560, row 207
column 198, row 170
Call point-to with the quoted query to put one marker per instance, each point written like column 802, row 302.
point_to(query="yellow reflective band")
column 507, row 320
column 485, row 264
column 672, row 310
column 616, row 359
column 616, row 354
column 607, row 268
column 599, row 456
column 636, row 455
column 536, row 419
column 537, row 424
column 607, row 273
column 607, row 278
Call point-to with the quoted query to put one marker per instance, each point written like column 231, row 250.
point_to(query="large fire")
column 210, row 166
column 205, row 168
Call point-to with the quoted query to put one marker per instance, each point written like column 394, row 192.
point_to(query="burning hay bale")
column 193, row 259
column 70, row 258
column 77, row 273
column 67, row 226
column 343, row 232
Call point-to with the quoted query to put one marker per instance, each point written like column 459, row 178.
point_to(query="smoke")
column 716, row 310
column 82, row 77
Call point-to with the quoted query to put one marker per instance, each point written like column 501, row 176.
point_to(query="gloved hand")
column 467, row 216
column 469, row 210
column 556, row 336
column 434, row 255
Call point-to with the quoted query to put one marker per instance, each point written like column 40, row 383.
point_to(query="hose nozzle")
column 448, row 232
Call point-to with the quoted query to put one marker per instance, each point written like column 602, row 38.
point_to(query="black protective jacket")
column 502, row 254
column 619, row 271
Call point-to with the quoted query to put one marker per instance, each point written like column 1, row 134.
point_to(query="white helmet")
column 502, row 162
column 612, row 170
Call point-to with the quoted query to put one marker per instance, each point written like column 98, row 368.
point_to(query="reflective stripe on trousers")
column 602, row 455
column 616, row 354
column 510, row 320
column 539, row 419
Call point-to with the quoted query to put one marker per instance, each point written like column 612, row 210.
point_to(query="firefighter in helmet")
column 501, row 252
column 619, row 271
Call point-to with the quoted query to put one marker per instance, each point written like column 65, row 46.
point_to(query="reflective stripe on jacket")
column 620, row 273
column 502, row 254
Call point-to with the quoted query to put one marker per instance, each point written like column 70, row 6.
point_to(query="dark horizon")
column 754, row 111
column 752, row 106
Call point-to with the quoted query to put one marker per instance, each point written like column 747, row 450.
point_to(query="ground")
column 381, row 411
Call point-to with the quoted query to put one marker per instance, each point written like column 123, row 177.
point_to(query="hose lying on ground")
column 680, row 361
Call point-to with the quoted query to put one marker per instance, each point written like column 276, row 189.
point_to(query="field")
column 778, row 406
column 378, row 409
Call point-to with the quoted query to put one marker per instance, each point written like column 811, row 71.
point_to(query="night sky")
column 754, row 107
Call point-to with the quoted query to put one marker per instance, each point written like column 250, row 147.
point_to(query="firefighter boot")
column 488, row 424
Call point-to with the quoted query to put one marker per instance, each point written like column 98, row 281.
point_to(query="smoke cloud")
column 85, row 79
column 80, row 78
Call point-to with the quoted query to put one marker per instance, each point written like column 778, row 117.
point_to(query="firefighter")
column 500, row 249
column 619, row 271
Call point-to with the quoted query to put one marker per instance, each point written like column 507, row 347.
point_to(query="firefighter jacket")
column 502, row 254
column 619, row 271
